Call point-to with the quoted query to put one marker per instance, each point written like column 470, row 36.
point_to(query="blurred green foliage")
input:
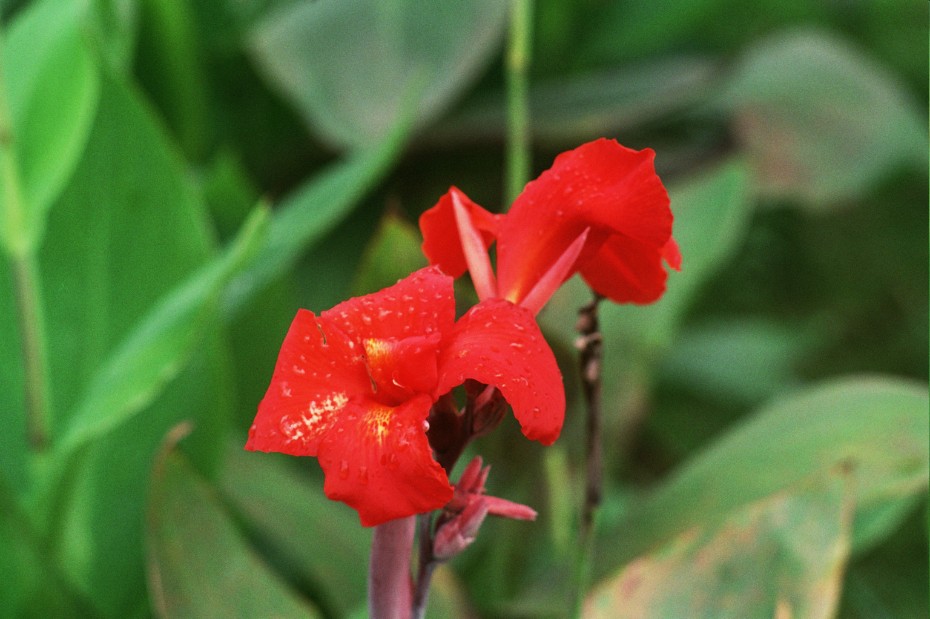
column 775, row 398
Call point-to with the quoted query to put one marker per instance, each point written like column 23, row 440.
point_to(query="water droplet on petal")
column 363, row 475
column 344, row 469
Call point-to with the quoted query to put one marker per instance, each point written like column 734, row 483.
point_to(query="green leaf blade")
column 53, row 86
column 198, row 563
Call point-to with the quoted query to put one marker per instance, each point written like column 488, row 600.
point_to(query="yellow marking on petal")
column 377, row 421
column 376, row 350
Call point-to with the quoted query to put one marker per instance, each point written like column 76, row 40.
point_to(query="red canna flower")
column 354, row 387
column 600, row 210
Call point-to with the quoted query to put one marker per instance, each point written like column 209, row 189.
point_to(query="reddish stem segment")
column 390, row 590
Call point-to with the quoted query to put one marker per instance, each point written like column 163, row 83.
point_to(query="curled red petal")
column 317, row 372
column 402, row 368
column 602, row 185
column 627, row 271
column 498, row 343
column 441, row 240
column 420, row 304
column 377, row 459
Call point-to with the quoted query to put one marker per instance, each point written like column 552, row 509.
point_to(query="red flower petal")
column 318, row 371
column 627, row 271
column 498, row 343
column 377, row 459
column 441, row 241
column 602, row 185
column 403, row 368
column 420, row 304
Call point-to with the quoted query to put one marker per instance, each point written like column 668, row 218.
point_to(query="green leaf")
column 820, row 121
column 113, row 26
column 569, row 109
column 319, row 539
column 783, row 556
column 52, row 87
column 314, row 209
column 392, row 254
column 126, row 230
column 156, row 350
column 198, row 563
column 874, row 426
column 319, row 54
column 31, row 585
column 738, row 360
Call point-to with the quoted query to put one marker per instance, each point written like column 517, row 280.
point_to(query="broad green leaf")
column 819, row 120
column 157, row 348
column 783, row 556
column 305, row 216
column 99, row 524
column 126, row 230
column 739, row 360
column 113, row 29
column 30, row 584
column 52, row 87
column 168, row 64
column 876, row 427
column 320, row 539
column 569, row 109
column 350, row 66
column 198, row 563
column 392, row 254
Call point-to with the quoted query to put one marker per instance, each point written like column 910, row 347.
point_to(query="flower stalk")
column 390, row 589
column 519, row 48
column 20, row 249
column 590, row 346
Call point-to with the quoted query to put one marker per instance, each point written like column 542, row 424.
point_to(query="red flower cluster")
column 354, row 386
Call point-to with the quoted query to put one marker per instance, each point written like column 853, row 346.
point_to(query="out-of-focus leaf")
column 198, row 563
column 739, row 360
column 783, row 556
column 312, row 211
column 570, row 109
column 320, row 539
column 127, row 228
column 113, row 25
column 155, row 351
column 31, row 585
column 228, row 191
column 350, row 66
column 890, row 580
column 874, row 426
column 819, row 120
column 169, row 66
column 393, row 253
column 52, row 87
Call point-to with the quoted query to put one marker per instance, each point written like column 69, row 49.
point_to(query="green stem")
column 518, row 109
column 20, row 249
column 32, row 343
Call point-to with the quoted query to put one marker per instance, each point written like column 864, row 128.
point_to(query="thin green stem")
column 20, row 249
column 32, row 344
column 518, row 108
